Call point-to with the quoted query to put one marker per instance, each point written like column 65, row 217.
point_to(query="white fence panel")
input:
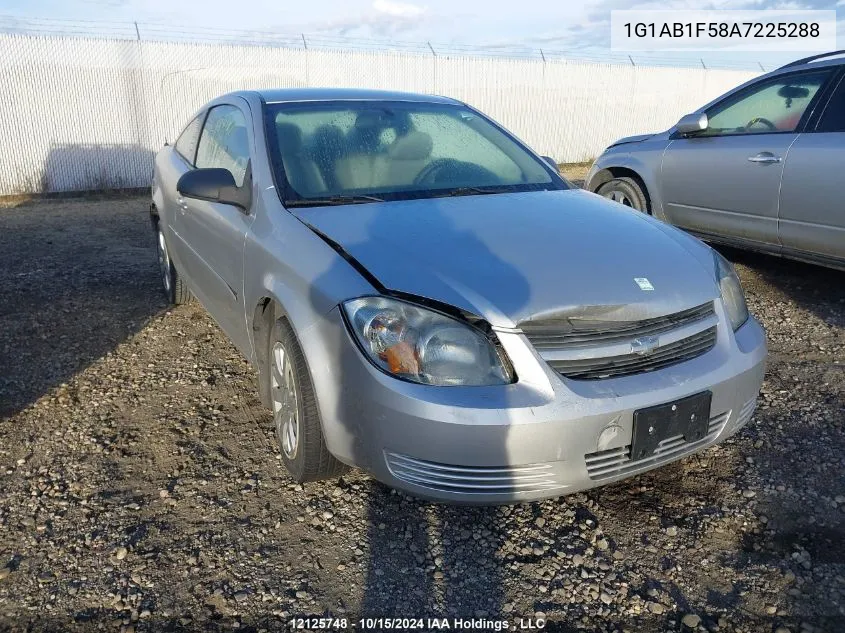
column 82, row 114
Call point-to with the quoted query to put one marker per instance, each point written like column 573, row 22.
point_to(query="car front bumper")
column 542, row 437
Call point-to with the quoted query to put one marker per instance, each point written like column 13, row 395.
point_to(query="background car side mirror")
column 215, row 184
column 692, row 123
column 551, row 161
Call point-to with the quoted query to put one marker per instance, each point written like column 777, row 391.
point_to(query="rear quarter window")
column 186, row 144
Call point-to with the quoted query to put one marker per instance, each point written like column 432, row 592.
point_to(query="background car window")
column 186, row 144
column 775, row 105
column 833, row 119
column 224, row 142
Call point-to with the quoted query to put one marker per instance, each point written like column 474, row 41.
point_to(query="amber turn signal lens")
column 402, row 359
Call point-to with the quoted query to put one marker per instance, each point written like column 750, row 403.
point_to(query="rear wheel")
column 174, row 285
column 295, row 413
column 626, row 191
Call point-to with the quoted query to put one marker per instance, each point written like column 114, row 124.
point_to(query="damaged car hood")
column 512, row 258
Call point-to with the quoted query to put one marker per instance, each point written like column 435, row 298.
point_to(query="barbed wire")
column 158, row 32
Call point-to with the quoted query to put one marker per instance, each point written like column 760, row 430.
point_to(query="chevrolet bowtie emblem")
column 644, row 345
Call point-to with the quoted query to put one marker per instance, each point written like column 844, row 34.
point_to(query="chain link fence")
column 89, row 113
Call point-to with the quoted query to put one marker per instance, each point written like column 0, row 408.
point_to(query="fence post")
column 307, row 66
column 142, row 118
column 434, row 56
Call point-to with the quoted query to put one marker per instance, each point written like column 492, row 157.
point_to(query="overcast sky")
column 558, row 24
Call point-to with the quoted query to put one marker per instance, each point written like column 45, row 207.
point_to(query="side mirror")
column 215, row 184
column 692, row 123
column 552, row 162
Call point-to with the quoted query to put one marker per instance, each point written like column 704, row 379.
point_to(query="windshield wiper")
column 472, row 191
column 332, row 200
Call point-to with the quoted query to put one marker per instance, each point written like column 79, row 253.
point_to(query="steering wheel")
column 762, row 120
column 450, row 171
column 429, row 174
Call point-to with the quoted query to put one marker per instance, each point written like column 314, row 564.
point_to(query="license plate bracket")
column 689, row 417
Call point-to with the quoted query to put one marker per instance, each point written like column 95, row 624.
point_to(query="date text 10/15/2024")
column 421, row 624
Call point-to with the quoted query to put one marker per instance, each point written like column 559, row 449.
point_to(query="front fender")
column 290, row 271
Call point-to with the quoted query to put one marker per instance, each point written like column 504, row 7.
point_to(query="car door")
column 213, row 233
column 181, row 160
column 812, row 213
column 724, row 181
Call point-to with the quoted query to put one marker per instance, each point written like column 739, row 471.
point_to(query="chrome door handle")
column 766, row 158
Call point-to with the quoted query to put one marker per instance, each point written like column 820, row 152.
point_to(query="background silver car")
column 757, row 168
column 427, row 299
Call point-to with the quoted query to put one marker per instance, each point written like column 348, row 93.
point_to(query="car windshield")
column 350, row 152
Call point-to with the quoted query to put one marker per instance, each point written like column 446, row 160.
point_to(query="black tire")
column 626, row 191
column 311, row 460
column 175, row 288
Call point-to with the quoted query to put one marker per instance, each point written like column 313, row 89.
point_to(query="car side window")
column 224, row 141
column 833, row 119
column 186, row 144
column 774, row 105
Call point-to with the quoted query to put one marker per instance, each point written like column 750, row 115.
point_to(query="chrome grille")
column 472, row 479
column 616, row 462
column 627, row 364
column 591, row 350
column 564, row 334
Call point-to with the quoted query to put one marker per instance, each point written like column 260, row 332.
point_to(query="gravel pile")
column 141, row 488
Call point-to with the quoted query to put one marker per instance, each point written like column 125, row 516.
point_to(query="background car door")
column 724, row 181
column 812, row 211
column 214, row 233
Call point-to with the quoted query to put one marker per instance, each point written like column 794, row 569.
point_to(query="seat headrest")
column 327, row 142
column 412, row 146
column 290, row 137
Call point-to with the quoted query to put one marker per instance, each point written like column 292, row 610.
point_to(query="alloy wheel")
column 163, row 261
column 285, row 400
column 621, row 197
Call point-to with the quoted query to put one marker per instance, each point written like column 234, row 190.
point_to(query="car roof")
column 823, row 60
column 282, row 95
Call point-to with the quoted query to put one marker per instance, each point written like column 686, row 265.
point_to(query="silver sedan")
column 427, row 299
column 757, row 168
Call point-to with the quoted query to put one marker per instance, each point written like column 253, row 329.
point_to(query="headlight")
column 425, row 346
column 732, row 295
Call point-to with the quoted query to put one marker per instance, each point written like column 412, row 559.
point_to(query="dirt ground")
column 141, row 487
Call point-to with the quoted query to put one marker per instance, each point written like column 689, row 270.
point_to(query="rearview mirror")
column 692, row 123
column 552, row 162
column 214, row 184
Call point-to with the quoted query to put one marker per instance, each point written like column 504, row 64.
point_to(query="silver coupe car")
column 757, row 168
column 426, row 298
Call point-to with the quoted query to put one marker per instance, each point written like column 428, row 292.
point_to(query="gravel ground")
column 141, row 487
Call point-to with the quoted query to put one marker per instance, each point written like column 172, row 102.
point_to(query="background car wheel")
column 626, row 191
column 295, row 413
column 174, row 285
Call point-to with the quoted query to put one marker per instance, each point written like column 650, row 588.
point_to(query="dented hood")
column 512, row 258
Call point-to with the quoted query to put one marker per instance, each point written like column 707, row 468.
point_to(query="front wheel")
column 174, row 285
column 627, row 192
column 295, row 412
